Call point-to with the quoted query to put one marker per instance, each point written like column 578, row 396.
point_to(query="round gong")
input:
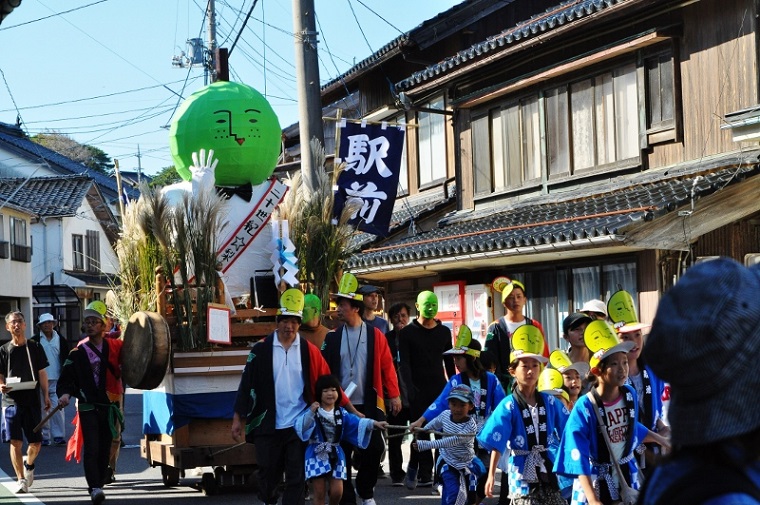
column 146, row 351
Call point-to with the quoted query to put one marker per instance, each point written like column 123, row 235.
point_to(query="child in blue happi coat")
column 583, row 453
column 324, row 425
column 527, row 425
column 486, row 389
column 457, row 468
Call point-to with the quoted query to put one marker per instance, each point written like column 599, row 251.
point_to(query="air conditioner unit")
column 751, row 259
column 702, row 259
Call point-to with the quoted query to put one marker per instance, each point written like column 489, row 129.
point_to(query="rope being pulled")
column 406, row 430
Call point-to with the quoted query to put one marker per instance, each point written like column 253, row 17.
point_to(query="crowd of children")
column 571, row 429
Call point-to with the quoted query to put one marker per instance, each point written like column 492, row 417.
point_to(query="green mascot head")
column 234, row 120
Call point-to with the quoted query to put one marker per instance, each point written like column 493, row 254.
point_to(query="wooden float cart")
column 188, row 396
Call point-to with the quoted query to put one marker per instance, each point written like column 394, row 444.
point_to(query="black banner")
column 372, row 154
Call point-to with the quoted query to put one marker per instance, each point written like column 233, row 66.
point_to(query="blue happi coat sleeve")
column 579, row 442
column 356, row 430
column 442, row 402
column 499, row 427
column 658, row 388
column 305, row 424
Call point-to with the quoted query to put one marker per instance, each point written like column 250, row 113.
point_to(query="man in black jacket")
column 276, row 386
column 92, row 374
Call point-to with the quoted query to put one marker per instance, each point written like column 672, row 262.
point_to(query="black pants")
column 366, row 473
column 395, row 456
column 281, row 451
column 96, row 445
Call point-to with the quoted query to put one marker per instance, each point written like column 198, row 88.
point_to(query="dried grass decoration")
column 186, row 235
column 321, row 246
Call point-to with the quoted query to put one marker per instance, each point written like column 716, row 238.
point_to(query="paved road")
column 60, row 482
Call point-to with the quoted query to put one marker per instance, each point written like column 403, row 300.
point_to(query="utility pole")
column 307, row 81
column 139, row 165
column 211, row 16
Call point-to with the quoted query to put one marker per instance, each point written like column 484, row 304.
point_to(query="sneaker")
column 110, row 476
column 369, row 501
column 425, row 483
column 22, row 486
column 58, row 441
column 29, row 474
column 380, row 472
column 45, row 442
column 97, row 495
column 410, row 481
column 397, row 482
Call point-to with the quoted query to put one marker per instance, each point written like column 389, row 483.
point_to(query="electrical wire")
column 52, row 15
column 381, row 17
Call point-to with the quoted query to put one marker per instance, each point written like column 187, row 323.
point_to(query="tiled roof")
column 14, row 137
column 554, row 220
column 47, row 196
column 409, row 38
column 538, row 24
column 411, row 207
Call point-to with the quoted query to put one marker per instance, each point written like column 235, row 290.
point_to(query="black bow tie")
column 245, row 191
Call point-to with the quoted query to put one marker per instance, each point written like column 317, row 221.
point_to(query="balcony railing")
column 21, row 253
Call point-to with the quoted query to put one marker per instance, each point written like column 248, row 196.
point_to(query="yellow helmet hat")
column 291, row 303
column 602, row 341
column 551, row 381
column 95, row 309
column 528, row 342
column 508, row 287
column 561, row 361
column 464, row 343
column 622, row 312
column 348, row 288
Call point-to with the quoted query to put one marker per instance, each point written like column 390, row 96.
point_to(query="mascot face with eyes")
column 234, row 120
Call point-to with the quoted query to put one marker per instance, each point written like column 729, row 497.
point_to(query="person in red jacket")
column 277, row 385
column 92, row 374
column 358, row 354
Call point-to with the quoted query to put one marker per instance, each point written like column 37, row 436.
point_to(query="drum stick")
column 47, row 418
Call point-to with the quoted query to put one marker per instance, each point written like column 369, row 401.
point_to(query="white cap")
column 595, row 306
column 46, row 317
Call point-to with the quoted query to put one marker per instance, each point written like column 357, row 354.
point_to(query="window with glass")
column 4, row 252
column 432, row 143
column 92, row 251
column 20, row 251
column 77, row 251
column 660, row 91
column 559, row 131
column 403, row 177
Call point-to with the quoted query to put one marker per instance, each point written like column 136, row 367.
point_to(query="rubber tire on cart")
column 208, row 484
column 169, row 475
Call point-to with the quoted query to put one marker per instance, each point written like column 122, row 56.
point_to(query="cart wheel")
column 208, row 484
column 169, row 475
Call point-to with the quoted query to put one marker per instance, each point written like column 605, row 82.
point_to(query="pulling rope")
column 406, row 430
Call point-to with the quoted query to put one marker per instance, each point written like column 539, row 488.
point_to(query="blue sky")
column 102, row 72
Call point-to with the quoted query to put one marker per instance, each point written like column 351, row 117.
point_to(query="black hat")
column 574, row 320
column 367, row 289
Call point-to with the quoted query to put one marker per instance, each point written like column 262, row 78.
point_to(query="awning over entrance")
column 58, row 294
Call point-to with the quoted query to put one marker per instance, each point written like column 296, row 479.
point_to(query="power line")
column 97, row 97
column 52, row 15
column 381, row 17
